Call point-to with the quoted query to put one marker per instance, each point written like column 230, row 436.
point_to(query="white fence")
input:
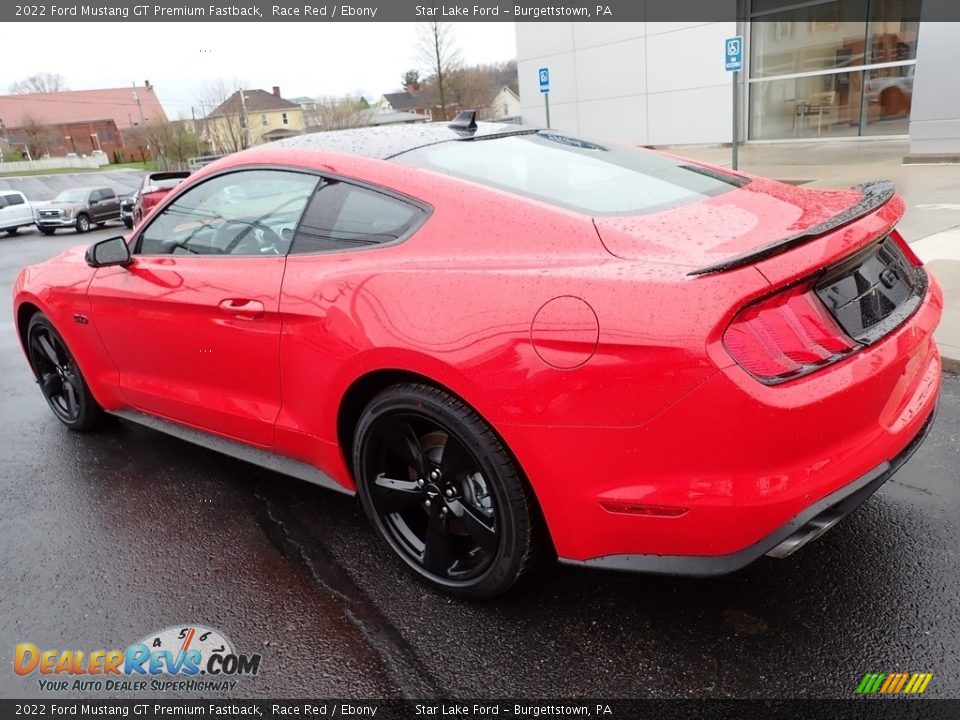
column 54, row 163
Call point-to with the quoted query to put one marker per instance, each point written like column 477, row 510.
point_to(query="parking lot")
column 109, row 536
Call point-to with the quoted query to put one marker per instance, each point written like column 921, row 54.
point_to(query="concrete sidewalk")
column 932, row 193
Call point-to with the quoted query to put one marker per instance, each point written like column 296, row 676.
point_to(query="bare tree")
column 474, row 88
column 437, row 51
column 39, row 83
column 338, row 113
column 38, row 137
column 225, row 122
column 183, row 144
column 138, row 138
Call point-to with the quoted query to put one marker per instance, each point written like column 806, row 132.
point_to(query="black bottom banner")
column 927, row 709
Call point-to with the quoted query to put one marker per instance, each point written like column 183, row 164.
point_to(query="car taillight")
column 905, row 248
column 786, row 335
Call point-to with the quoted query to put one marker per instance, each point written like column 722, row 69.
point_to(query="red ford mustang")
column 512, row 342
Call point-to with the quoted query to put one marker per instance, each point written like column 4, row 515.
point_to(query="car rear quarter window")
column 576, row 174
column 343, row 216
column 13, row 199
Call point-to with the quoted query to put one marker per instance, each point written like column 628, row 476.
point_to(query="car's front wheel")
column 59, row 376
column 83, row 223
column 444, row 493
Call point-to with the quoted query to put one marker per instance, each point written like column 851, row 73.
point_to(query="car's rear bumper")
column 734, row 466
column 785, row 540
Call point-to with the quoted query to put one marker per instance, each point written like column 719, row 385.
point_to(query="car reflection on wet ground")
column 108, row 536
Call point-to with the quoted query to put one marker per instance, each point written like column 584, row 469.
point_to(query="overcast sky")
column 309, row 58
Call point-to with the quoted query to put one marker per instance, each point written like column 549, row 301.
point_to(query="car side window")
column 10, row 200
column 343, row 216
column 247, row 212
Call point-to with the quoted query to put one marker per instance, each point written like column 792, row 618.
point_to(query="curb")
column 950, row 365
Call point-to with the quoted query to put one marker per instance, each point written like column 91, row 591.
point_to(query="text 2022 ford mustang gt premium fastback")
column 512, row 342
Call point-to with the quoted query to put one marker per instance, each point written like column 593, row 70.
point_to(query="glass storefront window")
column 829, row 43
column 806, row 39
column 807, row 107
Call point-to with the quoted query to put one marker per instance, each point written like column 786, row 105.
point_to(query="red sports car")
column 153, row 188
column 511, row 342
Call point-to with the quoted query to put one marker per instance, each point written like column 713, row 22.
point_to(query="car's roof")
column 386, row 142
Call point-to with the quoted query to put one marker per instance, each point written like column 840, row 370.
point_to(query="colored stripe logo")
column 894, row 683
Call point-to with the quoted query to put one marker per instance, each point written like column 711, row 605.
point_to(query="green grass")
column 149, row 165
column 51, row 171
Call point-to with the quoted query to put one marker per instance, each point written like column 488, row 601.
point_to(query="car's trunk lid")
column 778, row 228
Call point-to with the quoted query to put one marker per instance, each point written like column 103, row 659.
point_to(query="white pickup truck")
column 15, row 211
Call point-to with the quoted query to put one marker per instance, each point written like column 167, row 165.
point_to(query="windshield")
column 576, row 174
column 72, row 196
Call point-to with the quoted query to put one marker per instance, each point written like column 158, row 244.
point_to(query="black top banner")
column 465, row 11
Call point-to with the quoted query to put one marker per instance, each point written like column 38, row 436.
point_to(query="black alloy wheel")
column 442, row 491
column 83, row 223
column 59, row 377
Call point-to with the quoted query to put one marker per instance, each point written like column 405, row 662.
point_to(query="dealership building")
column 813, row 70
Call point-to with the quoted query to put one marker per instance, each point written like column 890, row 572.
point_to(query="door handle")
column 243, row 308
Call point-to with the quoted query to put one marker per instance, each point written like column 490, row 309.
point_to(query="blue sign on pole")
column 544, row 80
column 734, row 49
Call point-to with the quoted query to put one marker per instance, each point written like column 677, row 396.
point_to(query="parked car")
column 127, row 203
column 892, row 93
column 79, row 208
column 153, row 189
column 511, row 342
column 15, row 211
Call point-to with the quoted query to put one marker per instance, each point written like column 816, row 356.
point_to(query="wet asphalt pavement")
column 107, row 537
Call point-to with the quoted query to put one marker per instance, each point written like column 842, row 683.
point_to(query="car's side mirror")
column 112, row 251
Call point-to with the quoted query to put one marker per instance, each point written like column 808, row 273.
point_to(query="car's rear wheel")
column 444, row 493
column 83, row 223
column 59, row 376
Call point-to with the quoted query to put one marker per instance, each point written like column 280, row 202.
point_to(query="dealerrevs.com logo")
column 184, row 658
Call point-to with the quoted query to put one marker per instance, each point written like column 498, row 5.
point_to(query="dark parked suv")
column 78, row 208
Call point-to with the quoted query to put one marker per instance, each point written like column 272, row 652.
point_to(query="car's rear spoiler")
column 875, row 194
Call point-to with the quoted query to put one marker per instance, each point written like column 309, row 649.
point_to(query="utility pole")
column 136, row 96
column 246, row 123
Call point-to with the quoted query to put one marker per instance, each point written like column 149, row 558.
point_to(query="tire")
column 137, row 218
column 83, row 223
column 48, row 230
column 459, row 515
column 100, row 224
column 128, row 221
column 12, row 231
column 58, row 375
